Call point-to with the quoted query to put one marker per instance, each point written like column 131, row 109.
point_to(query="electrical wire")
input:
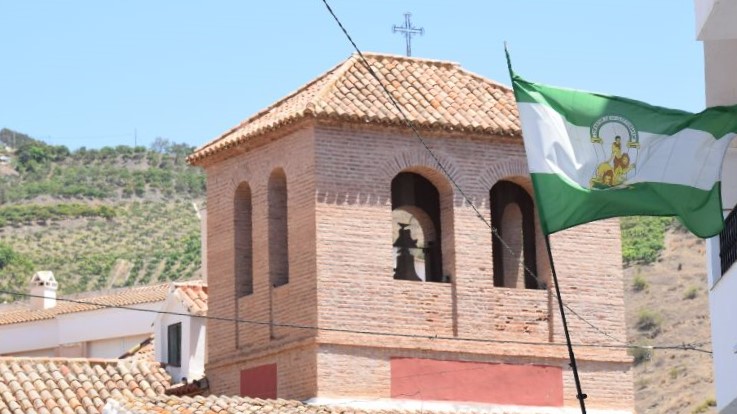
column 682, row 347
column 410, row 125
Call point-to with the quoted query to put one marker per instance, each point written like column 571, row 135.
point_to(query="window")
column 278, row 229
column 728, row 243
column 416, row 229
column 174, row 345
column 512, row 214
column 242, row 213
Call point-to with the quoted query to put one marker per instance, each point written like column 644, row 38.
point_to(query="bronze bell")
column 405, row 269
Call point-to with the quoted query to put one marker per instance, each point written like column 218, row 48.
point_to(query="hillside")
column 122, row 216
column 97, row 218
column 667, row 303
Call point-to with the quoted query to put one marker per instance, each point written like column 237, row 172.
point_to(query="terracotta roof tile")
column 58, row 385
column 144, row 351
column 436, row 95
column 19, row 313
column 193, row 295
column 242, row 405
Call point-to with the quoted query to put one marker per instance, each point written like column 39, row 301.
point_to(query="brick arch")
column 515, row 167
column 420, row 161
column 242, row 175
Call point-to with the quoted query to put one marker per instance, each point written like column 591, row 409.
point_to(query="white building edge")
column 51, row 327
column 716, row 27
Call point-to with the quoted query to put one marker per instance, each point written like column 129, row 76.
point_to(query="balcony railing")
column 728, row 241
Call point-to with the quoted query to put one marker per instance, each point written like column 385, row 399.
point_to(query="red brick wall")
column 234, row 346
column 341, row 266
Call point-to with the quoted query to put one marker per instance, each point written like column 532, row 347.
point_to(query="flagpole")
column 579, row 394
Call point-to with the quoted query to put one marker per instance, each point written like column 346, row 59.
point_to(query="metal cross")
column 408, row 31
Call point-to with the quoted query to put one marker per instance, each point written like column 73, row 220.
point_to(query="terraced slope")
column 109, row 217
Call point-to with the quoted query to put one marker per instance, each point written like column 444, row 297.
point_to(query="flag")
column 593, row 156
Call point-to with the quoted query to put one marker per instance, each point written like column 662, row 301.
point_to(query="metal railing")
column 728, row 241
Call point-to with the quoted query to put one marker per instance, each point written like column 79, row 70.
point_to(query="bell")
column 405, row 269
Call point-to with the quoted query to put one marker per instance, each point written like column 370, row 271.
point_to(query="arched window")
column 242, row 213
column 278, row 229
column 512, row 215
column 416, row 225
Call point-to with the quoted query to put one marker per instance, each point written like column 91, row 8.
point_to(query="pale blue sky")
column 88, row 73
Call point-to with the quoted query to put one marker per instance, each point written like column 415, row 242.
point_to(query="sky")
column 94, row 73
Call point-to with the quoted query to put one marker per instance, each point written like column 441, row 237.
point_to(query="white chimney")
column 43, row 290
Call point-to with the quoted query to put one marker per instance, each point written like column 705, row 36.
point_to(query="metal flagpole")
column 580, row 395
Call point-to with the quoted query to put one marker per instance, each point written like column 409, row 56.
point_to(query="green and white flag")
column 593, row 156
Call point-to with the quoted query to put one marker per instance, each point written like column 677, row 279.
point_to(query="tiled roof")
column 144, row 351
column 120, row 297
column 199, row 386
column 213, row 404
column 435, row 95
column 193, row 295
column 244, row 405
column 74, row 386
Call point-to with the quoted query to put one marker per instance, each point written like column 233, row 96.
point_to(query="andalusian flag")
column 594, row 156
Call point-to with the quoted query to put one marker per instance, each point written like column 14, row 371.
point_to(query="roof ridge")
column 92, row 361
column 266, row 110
column 112, row 291
column 194, row 282
column 342, row 94
column 335, row 76
column 438, row 62
column 484, row 79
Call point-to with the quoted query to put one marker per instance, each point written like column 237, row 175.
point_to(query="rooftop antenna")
column 408, row 31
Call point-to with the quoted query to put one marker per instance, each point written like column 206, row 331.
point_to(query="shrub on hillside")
column 639, row 283
column 648, row 321
column 691, row 293
column 643, row 238
column 31, row 213
column 640, row 353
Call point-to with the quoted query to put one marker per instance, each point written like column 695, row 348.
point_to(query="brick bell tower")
column 358, row 271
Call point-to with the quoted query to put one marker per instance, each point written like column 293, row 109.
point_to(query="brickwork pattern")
column 261, row 312
column 341, row 265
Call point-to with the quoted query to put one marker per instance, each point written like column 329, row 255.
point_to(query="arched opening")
column 278, row 229
column 416, row 229
column 243, row 225
column 513, row 217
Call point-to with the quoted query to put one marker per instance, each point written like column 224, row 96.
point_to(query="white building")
column 716, row 27
column 73, row 327
column 108, row 324
column 180, row 331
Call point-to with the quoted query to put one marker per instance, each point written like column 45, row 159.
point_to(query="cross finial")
column 408, row 31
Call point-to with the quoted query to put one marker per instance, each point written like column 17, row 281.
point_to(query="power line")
column 410, row 125
column 681, row 347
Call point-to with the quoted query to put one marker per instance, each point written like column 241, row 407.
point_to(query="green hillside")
column 97, row 218
column 119, row 216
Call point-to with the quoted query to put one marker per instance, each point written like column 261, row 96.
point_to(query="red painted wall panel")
column 259, row 382
column 429, row 379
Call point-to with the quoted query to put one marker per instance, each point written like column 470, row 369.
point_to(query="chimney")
column 43, row 290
